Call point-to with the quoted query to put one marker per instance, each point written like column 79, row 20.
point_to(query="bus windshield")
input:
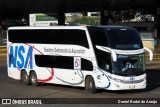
column 118, row 38
column 127, row 65
column 124, row 39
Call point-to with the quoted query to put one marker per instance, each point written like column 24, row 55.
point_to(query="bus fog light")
column 116, row 85
column 99, row 77
column 144, row 79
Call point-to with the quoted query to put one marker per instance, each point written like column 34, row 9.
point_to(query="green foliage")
column 119, row 16
column 87, row 20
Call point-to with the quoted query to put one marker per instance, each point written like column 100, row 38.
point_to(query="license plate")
column 132, row 86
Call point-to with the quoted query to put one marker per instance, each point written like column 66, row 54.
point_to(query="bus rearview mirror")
column 108, row 50
column 150, row 53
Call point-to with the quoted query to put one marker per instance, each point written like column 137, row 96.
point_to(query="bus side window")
column 86, row 65
column 66, row 37
column 55, row 36
column 51, row 37
column 80, row 38
column 99, row 37
column 72, row 37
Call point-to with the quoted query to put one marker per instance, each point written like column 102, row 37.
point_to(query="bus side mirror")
column 109, row 50
column 150, row 53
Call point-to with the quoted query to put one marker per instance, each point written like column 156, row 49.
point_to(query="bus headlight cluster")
column 115, row 79
column 118, row 80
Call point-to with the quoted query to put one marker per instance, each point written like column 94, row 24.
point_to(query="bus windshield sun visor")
column 109, row 50
column 150, row 53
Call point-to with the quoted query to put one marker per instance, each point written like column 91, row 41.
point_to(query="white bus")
column 94, row 57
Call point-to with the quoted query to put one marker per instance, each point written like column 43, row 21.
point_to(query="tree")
column 143, row 17
column 87, row 20
column 119, row 16
column 138, row 16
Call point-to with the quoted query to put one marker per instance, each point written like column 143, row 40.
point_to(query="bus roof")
column 67, row 27
column 47, row 27
column 112, row 27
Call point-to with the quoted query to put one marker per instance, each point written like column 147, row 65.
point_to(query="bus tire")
column 25, row 77
column 33, row 79
column 90, row 85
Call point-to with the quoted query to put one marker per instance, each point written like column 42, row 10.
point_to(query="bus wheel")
column 33, row 79
column 25, row 77
column 90, row 85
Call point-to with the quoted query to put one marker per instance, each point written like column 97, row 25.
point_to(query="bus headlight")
column 145, row 78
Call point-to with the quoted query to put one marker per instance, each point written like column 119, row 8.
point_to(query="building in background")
column 41, row 19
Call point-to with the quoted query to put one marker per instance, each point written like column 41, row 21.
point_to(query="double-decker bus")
column 94, row 57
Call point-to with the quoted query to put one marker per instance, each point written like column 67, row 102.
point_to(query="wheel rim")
column 90, row 84
column 25, row 77
column 33, row 79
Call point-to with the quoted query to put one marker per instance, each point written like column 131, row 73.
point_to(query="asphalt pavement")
column 11, row 88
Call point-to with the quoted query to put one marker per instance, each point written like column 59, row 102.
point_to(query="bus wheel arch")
column 90, row 84
column 24, row 77
column 33, row 78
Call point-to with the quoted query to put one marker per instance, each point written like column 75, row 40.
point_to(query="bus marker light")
column 99, row 77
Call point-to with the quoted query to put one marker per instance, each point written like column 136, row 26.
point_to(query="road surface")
column 10, row 88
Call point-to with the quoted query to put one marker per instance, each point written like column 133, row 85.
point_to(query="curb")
column 3, row 50
column 3, row 54
column 153, row 54
column 3, row 46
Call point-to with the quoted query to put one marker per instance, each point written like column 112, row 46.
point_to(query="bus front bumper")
column 122, row 86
